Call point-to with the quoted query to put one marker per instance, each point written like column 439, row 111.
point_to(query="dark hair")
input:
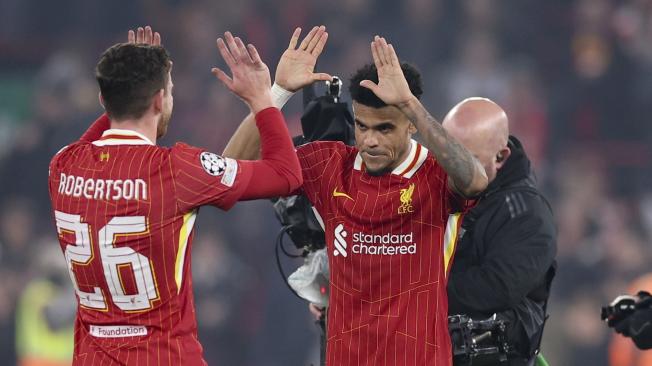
column 129, row 76
column 366, row 97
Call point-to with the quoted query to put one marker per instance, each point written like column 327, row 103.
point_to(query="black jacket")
column 505, row 255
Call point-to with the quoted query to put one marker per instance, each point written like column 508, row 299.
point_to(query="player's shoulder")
column 69, row 151
column 185, row 156
column 184, row 151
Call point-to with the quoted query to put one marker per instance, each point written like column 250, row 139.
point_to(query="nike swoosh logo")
column 341, row 194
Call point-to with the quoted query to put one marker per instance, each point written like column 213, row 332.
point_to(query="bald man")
column 504, row 261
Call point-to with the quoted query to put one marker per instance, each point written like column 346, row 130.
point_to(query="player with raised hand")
column 125, row 208
column 466, row 174
column 295, row 70
column 391, row 209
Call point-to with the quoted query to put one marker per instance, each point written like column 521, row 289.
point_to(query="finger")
column 321, row 76
column 226, row 55
column 131, row 36
column 374, row 55
column 253, row 53
column 320, row 45
column 316, row 311
column 244, row 54
column 382, row 51
column 157, row 39
column 140, row 35
column 148, row 35
column 294, row 39
column 233, row 47
column 369, row 85
column 306, row 41
column 393, row 58
column 315, row 39
column 224, row 78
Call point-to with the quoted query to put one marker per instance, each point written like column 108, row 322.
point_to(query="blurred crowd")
column 575, row 77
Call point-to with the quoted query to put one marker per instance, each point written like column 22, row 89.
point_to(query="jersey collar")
column 115, row 136
column 408, row 167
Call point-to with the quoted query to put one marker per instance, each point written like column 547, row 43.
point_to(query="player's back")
column 125, row 232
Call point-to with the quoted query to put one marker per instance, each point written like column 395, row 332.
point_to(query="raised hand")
column 144, row 36
column 392, row 88
column 251, row 80
column 296, row 67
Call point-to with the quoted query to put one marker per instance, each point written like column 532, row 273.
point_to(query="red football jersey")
column 125, row 210
column 390, row 241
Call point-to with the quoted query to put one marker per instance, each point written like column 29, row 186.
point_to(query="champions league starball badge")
column 213, row 164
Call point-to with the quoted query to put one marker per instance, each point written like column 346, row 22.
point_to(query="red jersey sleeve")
column 204, row 178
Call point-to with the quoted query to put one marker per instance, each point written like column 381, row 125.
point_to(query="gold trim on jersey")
column 450, row 239
column 184, row 234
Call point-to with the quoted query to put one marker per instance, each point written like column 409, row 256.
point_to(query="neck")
column 403, row 156
column 144, row 126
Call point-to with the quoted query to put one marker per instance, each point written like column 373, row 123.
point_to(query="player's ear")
column 502, row 156
column 157, row 101
column 412, row 129
column 99, row 96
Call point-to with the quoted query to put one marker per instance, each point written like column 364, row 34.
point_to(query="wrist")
column 410, row 104
column 261, row 103
column 280, row 95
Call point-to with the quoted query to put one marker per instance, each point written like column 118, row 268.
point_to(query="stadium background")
column 575, row 77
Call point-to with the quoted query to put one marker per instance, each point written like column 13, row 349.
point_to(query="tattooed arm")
column 465, row 172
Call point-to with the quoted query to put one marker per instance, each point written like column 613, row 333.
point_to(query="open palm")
column 297, row 65
column 392, row 88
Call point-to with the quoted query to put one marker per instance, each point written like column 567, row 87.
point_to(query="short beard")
column 379, row 172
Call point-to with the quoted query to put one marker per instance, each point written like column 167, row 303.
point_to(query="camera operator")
column 504, row 261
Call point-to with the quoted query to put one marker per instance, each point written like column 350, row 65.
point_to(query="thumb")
column 321, row 76
column 369, row 85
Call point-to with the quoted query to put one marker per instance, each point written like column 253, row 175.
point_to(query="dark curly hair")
column 366, row 97
column 129, row 76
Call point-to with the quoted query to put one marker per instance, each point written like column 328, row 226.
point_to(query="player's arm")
column 279, row 172
column 141, row 35
column 294, row 71
column 467, row 175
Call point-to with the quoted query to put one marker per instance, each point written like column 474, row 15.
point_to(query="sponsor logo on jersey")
column 213, row 164
column 340, row 241
column 336, row 194
column 406, row 200
column 373, row 244
column 104, row 156
column 117, row 331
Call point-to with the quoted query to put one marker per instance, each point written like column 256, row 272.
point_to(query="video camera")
column 478, row 342
column 625, row 305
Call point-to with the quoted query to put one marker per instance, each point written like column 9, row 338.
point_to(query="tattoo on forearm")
column 451, row 155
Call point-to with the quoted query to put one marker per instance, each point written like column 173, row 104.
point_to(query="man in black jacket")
column 504, row 261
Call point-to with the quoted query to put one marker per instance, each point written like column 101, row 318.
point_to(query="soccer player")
column 390, row 208
column 125, row 207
